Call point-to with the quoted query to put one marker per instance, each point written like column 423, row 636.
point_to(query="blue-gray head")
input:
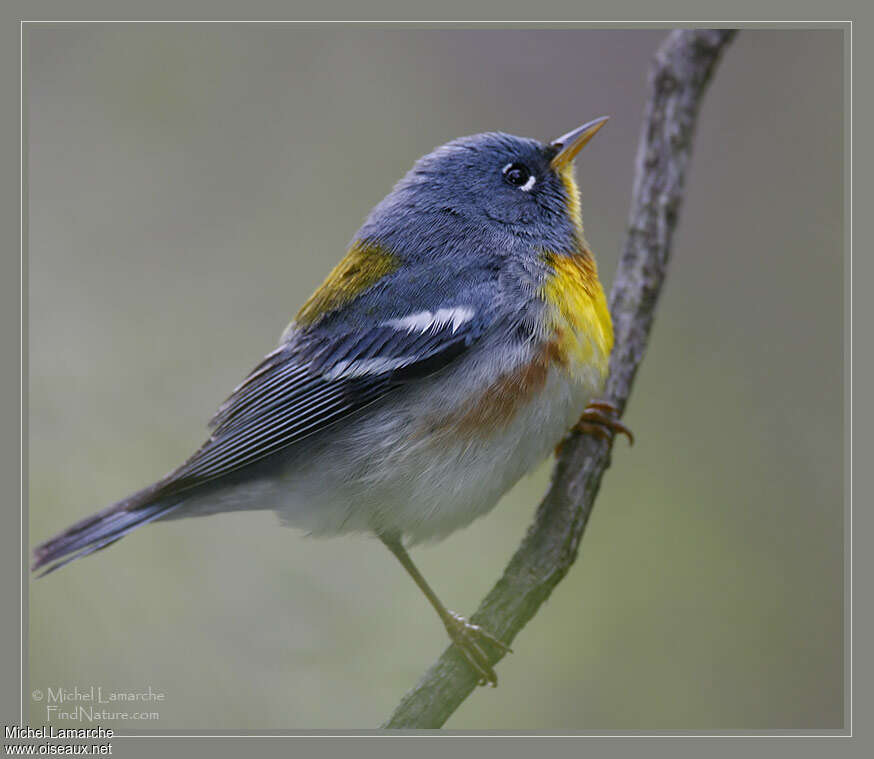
column 484, row 190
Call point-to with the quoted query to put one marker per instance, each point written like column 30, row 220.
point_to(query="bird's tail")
column 102, row 529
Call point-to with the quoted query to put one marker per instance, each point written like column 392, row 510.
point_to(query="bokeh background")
column 189, row 185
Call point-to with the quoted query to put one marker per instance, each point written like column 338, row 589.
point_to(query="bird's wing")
column 316, row 379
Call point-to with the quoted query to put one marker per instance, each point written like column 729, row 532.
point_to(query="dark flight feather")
column 296, row 391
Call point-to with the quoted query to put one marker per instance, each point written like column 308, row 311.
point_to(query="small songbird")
column 452, row 348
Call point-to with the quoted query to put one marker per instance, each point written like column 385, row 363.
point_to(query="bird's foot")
column 469, row 639
column 600, row 418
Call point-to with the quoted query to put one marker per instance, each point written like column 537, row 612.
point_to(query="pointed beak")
column 568, row 145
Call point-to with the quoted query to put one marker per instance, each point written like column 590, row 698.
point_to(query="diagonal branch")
column 681, row 71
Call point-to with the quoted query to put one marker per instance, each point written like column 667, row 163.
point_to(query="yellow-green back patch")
column 362, row 267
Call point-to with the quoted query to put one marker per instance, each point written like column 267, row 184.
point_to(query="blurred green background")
column 189, row 185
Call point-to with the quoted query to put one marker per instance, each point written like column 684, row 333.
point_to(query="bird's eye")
column 518, row 175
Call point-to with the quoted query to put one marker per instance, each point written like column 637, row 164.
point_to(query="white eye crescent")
column 519, row 176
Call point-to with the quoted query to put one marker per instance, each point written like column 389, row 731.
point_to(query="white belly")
column 378, row 480
column 373, row 473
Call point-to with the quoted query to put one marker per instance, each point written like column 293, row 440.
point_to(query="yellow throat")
column 578, row 313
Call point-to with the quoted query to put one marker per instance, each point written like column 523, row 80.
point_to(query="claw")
column 468, row 638
column 601, row 418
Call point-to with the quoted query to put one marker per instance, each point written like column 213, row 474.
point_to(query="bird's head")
column 482, row 190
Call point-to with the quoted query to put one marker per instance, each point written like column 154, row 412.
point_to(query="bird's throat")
column 577, row 309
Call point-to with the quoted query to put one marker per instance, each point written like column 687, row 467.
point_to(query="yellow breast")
column 577, row 311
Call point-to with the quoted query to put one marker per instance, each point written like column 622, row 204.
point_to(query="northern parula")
column 450, row 350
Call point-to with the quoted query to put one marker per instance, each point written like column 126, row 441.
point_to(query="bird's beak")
column 568, row 145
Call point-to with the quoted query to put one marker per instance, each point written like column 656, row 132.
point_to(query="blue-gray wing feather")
column 313, row 381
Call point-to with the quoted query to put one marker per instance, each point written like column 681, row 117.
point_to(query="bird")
column 462, row 337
